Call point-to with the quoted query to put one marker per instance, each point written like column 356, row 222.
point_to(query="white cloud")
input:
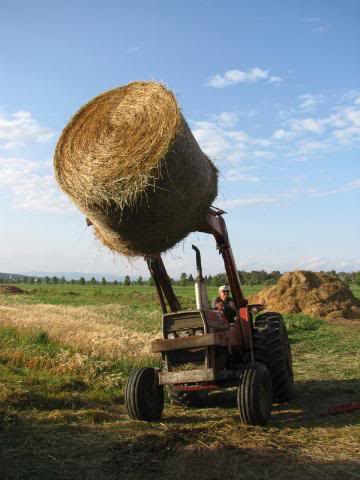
column 21, row 128
column 306, row 125
column 30, row 187
column 286, row 196
column 326, row 264
column 322, row 29
column 250, row 202
column 347, row 136
column 237, row 175
column 348, row 187
column 227, row 119
column 230, row 119
column 346, row 121
column 298, row 138
column 262, row 154
column 274, row 79
column 227, row 145
column 340, row 127
column 282, row 134
column 238, row 136
column 309, row 101
column 212, row 139
column 132, row 49
column 305, row 147
column 232, row 77
column 350, row 96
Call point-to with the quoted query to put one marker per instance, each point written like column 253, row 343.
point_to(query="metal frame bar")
column 214, row 225
column 163, row 284
column 200, row 375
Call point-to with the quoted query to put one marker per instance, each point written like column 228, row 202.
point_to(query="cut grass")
column 62, row 413
column 62, row 416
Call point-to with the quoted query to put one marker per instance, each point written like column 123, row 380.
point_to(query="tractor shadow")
column 36, row 449
column 310, row 407
column 313, row 400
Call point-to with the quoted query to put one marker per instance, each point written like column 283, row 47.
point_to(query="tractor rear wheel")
column 272, row 348
column 144, row 397
column 196, row 399
column 254, row 396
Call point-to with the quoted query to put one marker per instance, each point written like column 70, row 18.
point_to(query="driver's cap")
column 224, row 288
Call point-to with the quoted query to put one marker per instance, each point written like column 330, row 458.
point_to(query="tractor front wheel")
column 254, row 397
column 144, row 397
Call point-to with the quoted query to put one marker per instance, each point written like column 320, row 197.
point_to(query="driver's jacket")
column 227, row 306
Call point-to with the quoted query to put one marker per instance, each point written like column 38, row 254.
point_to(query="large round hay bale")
column 130, row 163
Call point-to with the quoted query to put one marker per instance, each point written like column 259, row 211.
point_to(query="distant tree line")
column 255, row 277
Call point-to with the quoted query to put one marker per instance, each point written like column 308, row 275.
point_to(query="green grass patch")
column 133, row 295
column 41, row 374
column 356, row 290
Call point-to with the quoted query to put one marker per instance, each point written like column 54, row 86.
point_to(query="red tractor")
column 205, row 350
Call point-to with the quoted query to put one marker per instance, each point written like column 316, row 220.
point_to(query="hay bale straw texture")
column 130, row 163
column 317, row 294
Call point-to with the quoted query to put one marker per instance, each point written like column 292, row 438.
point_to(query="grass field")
column 356, row 290
column 64, row 360
column 76, row 295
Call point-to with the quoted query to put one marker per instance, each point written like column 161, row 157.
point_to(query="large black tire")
column 254, row 397
column 196, row 399
column 272, row 348
column 144, row 397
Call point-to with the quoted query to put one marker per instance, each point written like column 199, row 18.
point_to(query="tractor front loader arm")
column 163, row 284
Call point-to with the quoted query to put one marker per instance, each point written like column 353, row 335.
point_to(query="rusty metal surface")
column 183, row 343
column 245, row 317
column 163, row 284
column 228, row 338
column 216, row 226
column 198, row 376
column 216, row 321
column 196, row 388
column 187, row 376
column 183, row 319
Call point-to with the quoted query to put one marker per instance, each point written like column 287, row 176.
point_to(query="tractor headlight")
column 171, row 335
column 184, row 333
column 199, row 331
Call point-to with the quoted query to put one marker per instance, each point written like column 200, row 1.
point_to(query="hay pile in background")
column 317, row 294
column 130, row 163
column 11, row 289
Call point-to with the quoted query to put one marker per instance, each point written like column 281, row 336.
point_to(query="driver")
column 224, row 302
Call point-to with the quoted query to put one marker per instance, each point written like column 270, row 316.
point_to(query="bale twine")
column 130, row 163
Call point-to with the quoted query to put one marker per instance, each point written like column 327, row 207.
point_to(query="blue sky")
column 270, row 89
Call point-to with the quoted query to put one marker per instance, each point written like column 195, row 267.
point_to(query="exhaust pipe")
column 202, row 299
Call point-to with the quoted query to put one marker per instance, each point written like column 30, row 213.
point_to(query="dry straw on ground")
column 316, row 294
column 91, row 331
column 130, row 163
